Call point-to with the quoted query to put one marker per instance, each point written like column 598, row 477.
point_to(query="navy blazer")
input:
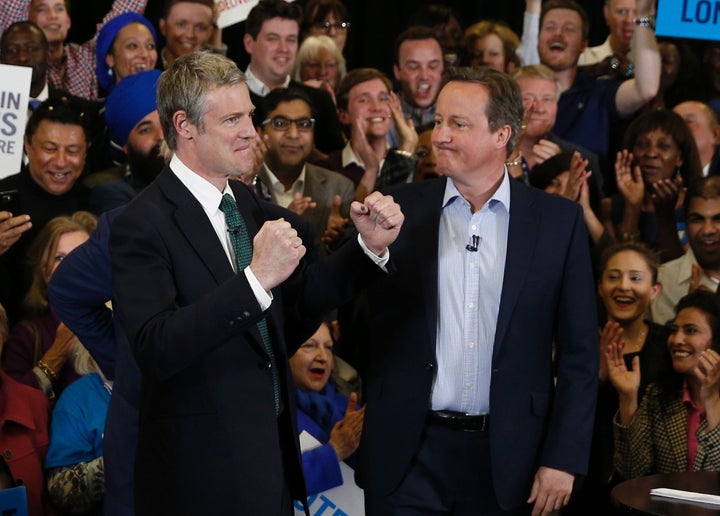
column 547, row 296
column 209, row 439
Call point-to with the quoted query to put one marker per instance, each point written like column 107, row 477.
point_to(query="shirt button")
column 429, row 366
column 471, row 305
column 471, row 345
column 7, row 454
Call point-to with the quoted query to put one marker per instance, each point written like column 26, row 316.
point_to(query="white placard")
column 14, row 97
column 234, row 11
column 344, row 500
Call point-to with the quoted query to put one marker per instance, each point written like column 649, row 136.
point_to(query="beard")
column 144, row 168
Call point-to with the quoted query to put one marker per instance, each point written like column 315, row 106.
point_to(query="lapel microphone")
column 473, row 245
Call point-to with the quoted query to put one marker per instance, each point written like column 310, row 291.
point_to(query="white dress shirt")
column 469, row 288
column 209, row 198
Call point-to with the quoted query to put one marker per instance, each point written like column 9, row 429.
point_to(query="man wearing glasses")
column 319, row 195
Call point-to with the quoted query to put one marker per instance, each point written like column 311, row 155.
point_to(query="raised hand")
column 277, row 250
column 578, row 177
column 625, row 382
column 336, row 222
column 629, row 179
column 707, row 372
column 11, row 229
column 378, row 219
column 299, row 204
column 365, row 151
column 665, row 192
column 56, row 356
column 345, row 435
column 259, row 148
column 545, row 149
column 695, row 275
column 405, row 128
column 611, row 334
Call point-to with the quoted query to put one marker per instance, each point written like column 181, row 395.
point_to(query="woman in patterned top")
column 675, row 426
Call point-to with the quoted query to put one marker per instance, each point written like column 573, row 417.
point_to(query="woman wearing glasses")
column 327, row 18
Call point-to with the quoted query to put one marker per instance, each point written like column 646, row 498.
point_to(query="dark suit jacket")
column 322, row 185
column 328, row 131
column 547, row 294
column 209, row 441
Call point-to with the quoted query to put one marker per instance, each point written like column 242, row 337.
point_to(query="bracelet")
column 645, row 21
column 514, row 162
column 52, row 376
column 405, row 153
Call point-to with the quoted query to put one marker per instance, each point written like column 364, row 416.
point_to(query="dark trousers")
column 450, row 475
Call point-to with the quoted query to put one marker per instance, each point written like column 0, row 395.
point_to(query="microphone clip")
column 474, row 244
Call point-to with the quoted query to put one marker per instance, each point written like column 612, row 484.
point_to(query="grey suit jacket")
column 321, row 185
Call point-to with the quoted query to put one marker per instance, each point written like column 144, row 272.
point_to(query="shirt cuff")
column 380, row 261
column 264, row 298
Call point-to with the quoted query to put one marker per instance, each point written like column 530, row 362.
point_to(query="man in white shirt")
column 700, row 265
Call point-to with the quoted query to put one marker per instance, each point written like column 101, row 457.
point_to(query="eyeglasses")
column 325, row 26
column 281, row 123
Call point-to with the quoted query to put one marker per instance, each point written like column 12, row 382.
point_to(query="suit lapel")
column 522, row 241
column 194, row 224
column 315, row 184
column 265, row 178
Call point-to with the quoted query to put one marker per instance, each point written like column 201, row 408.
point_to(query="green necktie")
column 243, row 255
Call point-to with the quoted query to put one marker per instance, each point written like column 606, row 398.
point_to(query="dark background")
column 375, row 23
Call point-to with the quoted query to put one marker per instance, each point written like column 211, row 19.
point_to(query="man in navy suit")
column 210, row 334
column 483, row 361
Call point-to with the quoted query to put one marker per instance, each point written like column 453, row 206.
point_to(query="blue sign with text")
column 697, row 19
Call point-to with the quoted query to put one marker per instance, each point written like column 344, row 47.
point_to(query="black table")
column 633, row 496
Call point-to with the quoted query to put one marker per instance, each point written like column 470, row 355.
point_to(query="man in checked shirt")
column 72, row 65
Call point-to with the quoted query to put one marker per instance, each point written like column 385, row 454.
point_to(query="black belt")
column 459, row 421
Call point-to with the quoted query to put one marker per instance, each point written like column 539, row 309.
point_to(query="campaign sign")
column 14, row 97
column 234, row 11
column 698, row 19
column 344, row 500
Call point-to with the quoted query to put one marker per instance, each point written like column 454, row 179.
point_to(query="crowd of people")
column 199, row 261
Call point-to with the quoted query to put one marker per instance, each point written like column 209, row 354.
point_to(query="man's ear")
column 396, row 72
column 162, row 26
column 183, row 127
column 503, row 135
column 249, row 43
column 344, row 117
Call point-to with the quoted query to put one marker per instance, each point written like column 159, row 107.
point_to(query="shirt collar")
column 687, row 400
column 501, row 195
column 349, row 157
column 279, row 188
column 205, row 192
column 258, row 87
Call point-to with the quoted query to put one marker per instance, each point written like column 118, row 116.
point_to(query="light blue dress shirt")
column 469, row 288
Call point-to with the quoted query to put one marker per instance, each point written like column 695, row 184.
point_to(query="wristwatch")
column 645, row 21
